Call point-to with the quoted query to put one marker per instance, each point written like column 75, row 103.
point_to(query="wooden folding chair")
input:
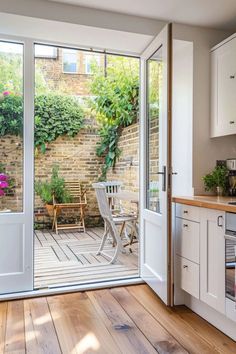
column 110, row 222
column 79, row 201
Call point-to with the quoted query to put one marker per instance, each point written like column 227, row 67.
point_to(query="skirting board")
column 218, row 320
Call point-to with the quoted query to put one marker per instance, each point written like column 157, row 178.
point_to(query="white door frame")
column 23, row 280
column 29, row 168
column 165, row 289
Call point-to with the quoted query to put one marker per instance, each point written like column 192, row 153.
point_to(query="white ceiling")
column 73, row 35
column 208, row 13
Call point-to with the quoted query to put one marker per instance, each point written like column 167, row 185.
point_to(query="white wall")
column 205, row 150
column 182, row 118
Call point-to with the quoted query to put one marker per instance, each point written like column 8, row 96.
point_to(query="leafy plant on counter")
column 217, row 178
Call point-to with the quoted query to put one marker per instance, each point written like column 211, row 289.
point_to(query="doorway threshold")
column 71, row 288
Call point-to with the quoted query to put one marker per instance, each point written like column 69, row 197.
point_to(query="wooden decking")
column 70, row 258
column 129, row 320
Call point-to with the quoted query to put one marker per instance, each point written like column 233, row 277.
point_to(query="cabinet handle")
column 232, row 76
column 185, row 211
column 231, row 122
column 185, row 225
column 185, row 266
column 220, row 221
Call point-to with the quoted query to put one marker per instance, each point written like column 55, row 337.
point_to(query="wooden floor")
column 127, row 320
column 70, row 258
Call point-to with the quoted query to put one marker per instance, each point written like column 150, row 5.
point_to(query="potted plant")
column 53, row 190
column 216, row 180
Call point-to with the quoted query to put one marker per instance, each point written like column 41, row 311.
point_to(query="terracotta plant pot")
column 49, row 208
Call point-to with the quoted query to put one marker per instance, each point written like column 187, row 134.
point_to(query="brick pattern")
column 78, row 161
column 74, row 84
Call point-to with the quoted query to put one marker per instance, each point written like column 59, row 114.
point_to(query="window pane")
column 154, row 85
column 11, row 127
column 45, row 51
column 70, row 61
column 91, row 60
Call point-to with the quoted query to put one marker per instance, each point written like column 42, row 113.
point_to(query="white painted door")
column 16, row 165
column 154, row 162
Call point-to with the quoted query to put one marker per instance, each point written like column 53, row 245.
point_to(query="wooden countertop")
column 210, row 202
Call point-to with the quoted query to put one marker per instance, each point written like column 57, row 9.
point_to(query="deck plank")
column 71, row 257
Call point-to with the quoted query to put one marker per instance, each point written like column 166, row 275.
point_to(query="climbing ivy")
column 116, row 104
column 55, row 115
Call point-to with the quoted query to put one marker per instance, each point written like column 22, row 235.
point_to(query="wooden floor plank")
column 40, row 331
column 172, row 322
column 161, row 340
column 79, row 327
column 15, row 328
column 3, row 323
column 119, row 320
column 125, row 333
column 206, row 331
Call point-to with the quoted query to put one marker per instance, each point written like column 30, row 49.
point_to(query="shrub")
column 55, row 115
column 53, row 188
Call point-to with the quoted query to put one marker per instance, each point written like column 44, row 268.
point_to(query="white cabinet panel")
column 223, row 86
column 212, row 259
column 188, row 276
column 188, row 212
column 187, row 239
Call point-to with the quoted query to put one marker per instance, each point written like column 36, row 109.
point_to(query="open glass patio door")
column 16, row 165
column 155, row 165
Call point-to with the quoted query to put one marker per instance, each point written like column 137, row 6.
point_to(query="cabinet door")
column 212, row 259
column 223, row 89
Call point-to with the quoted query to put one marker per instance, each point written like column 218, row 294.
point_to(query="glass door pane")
column 11, row 127
column 155, row 178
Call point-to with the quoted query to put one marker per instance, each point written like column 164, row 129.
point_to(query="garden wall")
column 77, row 160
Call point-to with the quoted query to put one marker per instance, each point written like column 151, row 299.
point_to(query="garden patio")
column 86, row 128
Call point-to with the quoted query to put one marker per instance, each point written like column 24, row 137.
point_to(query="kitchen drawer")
column 187, row 239
column 188, row 276
column 188, row 212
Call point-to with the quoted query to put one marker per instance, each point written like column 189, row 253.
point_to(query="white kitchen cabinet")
column 223, row 88
column 187, row 239
column 212, row 259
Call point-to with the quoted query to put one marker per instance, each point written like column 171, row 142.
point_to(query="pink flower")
column 6, row 93
column 3, row 184
column 1, row 192
column 3, row 177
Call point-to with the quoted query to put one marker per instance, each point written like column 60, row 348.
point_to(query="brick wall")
column 127, row 166
column 74, row 84
column 77, row 160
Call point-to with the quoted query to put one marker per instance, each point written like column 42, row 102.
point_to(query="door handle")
column 163, row 173
column 220, row 218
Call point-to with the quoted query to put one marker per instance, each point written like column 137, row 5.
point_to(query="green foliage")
column 108, row 147
column 53, row 188
column 11, row 115
column 217, row 178
column 55, row 115
column 116, row 104
column 11, row 74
